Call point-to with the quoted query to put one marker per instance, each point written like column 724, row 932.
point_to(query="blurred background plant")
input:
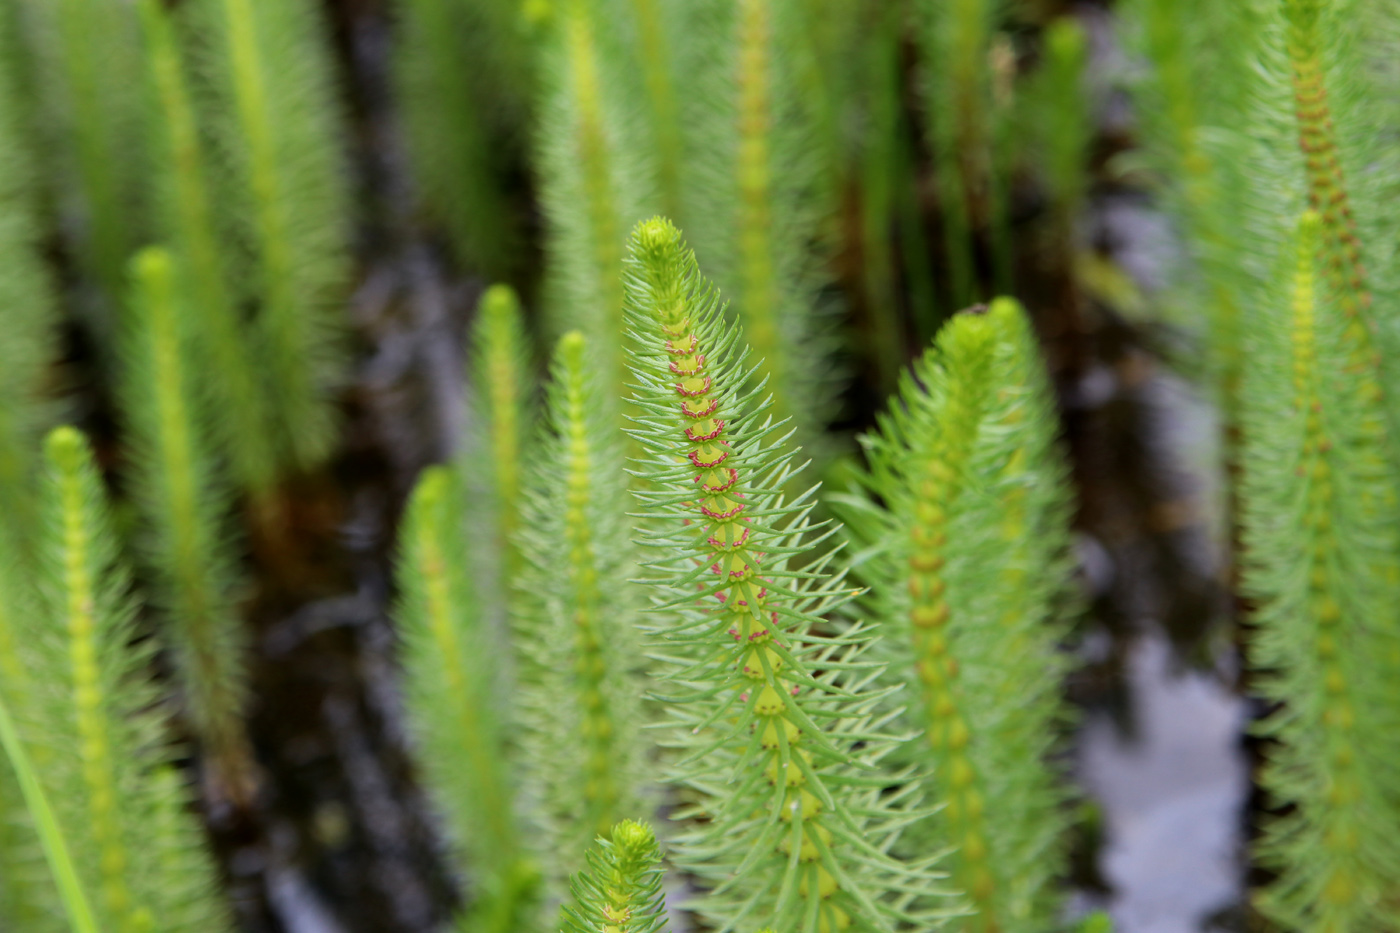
column 321, row 605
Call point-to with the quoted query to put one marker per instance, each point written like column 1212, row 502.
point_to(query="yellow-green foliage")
column 1195, row 97
column 271, row 105
column 575, row 631
column 28, row 900
column 501, row 378
column 95, row 735
column 89, row 77
column 452, row 672
column 592, row 189
column 187, row 220
column 27, row 317
column 620, row 889
column 1319, row 458
column 758, row 215
column 465, row 79
column 967, row 74
column 883, row 177
column 60, row 861
column 770, row 707
column 184, row 503
column 968, row 570
column 1059, row 110
column 1321, row 545
column 655, row 50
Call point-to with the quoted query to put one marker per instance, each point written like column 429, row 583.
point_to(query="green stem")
column 602, row 789
column 771, row 687
column 969, row 347
column 596, row 160
column 65, row 874
column 1340, row 247
column 87, row 685
column 237, row 397
column 758, row 289
column 655, row 54
column 203, row 624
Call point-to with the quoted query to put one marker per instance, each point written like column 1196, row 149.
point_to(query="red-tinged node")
column 694, row 456
column 701, row 438
column 722, row 546
column 682, row 371
column 721, row 516
column 724, row 486
column 693, row 393
column 702, row 413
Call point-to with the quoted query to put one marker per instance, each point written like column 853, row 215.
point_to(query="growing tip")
column 499, row 302
column 152, row 264
column 657, row 235
column 633, row 836
column 431, row 491
column 571, row 348
column 1002, row 310
column 65, row 447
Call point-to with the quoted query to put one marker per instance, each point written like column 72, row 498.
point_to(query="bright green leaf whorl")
column 501, row 378
column 184, row 503
column 87, row 54
column 968, row 569
column 758, row 207
column 580, row 696
column 464, row 74
column 28, row 900
column 97, row 736
column 1195, row 93
column 27, row 313
column 188, row 222
column 620, row 889
column 773, row 715
column 45, row 825
column 273, row 109
column 1321, row 546
column 968, row 112
column 592, row 187
column 451, row 671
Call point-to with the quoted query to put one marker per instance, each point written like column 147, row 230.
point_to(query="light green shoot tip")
column 65, row 446
column 571, row 349
column 633, row 838
column 499, row 301
column 657, row 234
column 152, row 264
column 433, row 486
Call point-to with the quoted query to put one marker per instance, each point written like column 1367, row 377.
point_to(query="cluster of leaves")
column 620, row 600
column 1283, row 178
column 184, row 164
column 777, row 710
